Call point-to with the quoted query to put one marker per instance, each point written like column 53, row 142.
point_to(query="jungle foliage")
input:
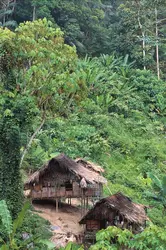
column 136, row 28
column 12, row 234
column 109, row 108
column 33, row 68
column 152, row 238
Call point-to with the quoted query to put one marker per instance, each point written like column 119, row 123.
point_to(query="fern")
column 5, row 217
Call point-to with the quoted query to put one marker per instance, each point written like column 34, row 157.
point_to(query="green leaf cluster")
column 152, row 237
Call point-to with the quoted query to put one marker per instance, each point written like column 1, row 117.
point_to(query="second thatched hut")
column 116, row 210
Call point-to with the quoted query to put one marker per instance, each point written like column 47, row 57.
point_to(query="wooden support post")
column 84, row 206
column 56, row 205
column 81, row 202
column 49, row 192
column 87, row 203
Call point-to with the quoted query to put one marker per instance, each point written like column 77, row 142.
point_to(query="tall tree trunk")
column 6, row 5
column 14, row 4
column 34, row 13
column 157, row 45
column 143, row 40
column 144, row 48
column 4, row 18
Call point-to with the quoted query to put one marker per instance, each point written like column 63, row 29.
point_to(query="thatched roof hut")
column 62, row 168
column 109, row 208
column 90, row 165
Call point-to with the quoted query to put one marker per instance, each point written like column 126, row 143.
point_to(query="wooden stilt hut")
column 116, row 210
column 62, row 177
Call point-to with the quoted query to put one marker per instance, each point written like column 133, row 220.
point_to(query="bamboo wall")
column 39, row 192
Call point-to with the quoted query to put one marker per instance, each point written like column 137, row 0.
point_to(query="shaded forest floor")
column 64, row 224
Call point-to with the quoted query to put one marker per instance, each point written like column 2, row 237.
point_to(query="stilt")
column 84, row 205
column 81, row 206
column 56, row 205
column 87, row 203
column 81, row 202
column 49, row 192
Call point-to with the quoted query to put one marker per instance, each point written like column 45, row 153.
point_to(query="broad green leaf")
column 69, row 246
column 18, row 222
column 47, row 243
column 4, row 247
column 164, row 185
column 155, row 180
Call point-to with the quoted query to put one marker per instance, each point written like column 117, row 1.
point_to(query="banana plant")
column 8, row 241
column 158, row 192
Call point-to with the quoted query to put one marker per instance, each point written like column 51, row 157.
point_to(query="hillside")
column 86, row 79
column 124, row 117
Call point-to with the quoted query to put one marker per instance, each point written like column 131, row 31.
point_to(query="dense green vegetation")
column 136, row 28
column 151, row 238
column 108, row 106
column 18, row 234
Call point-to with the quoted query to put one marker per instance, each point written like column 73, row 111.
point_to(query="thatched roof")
column 65, row 165
column 132, row 212
column 90, row 165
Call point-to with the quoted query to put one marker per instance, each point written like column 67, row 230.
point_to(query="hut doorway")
column 103, row 224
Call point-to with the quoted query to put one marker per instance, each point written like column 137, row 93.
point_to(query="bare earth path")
column 64, row 224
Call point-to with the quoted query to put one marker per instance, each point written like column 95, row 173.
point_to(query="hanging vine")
column 10, row 179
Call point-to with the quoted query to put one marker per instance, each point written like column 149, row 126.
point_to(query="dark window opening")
column 103, row 224
column 68, row 186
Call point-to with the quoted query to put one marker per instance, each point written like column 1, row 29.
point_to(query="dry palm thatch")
column 66, row 167
column 118, row 203
column 90, row 165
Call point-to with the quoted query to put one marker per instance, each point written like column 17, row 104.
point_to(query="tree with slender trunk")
column 34, row 73
column 157, row 44
column 143, row 35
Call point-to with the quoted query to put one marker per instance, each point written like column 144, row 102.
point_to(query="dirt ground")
column 64, row 224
